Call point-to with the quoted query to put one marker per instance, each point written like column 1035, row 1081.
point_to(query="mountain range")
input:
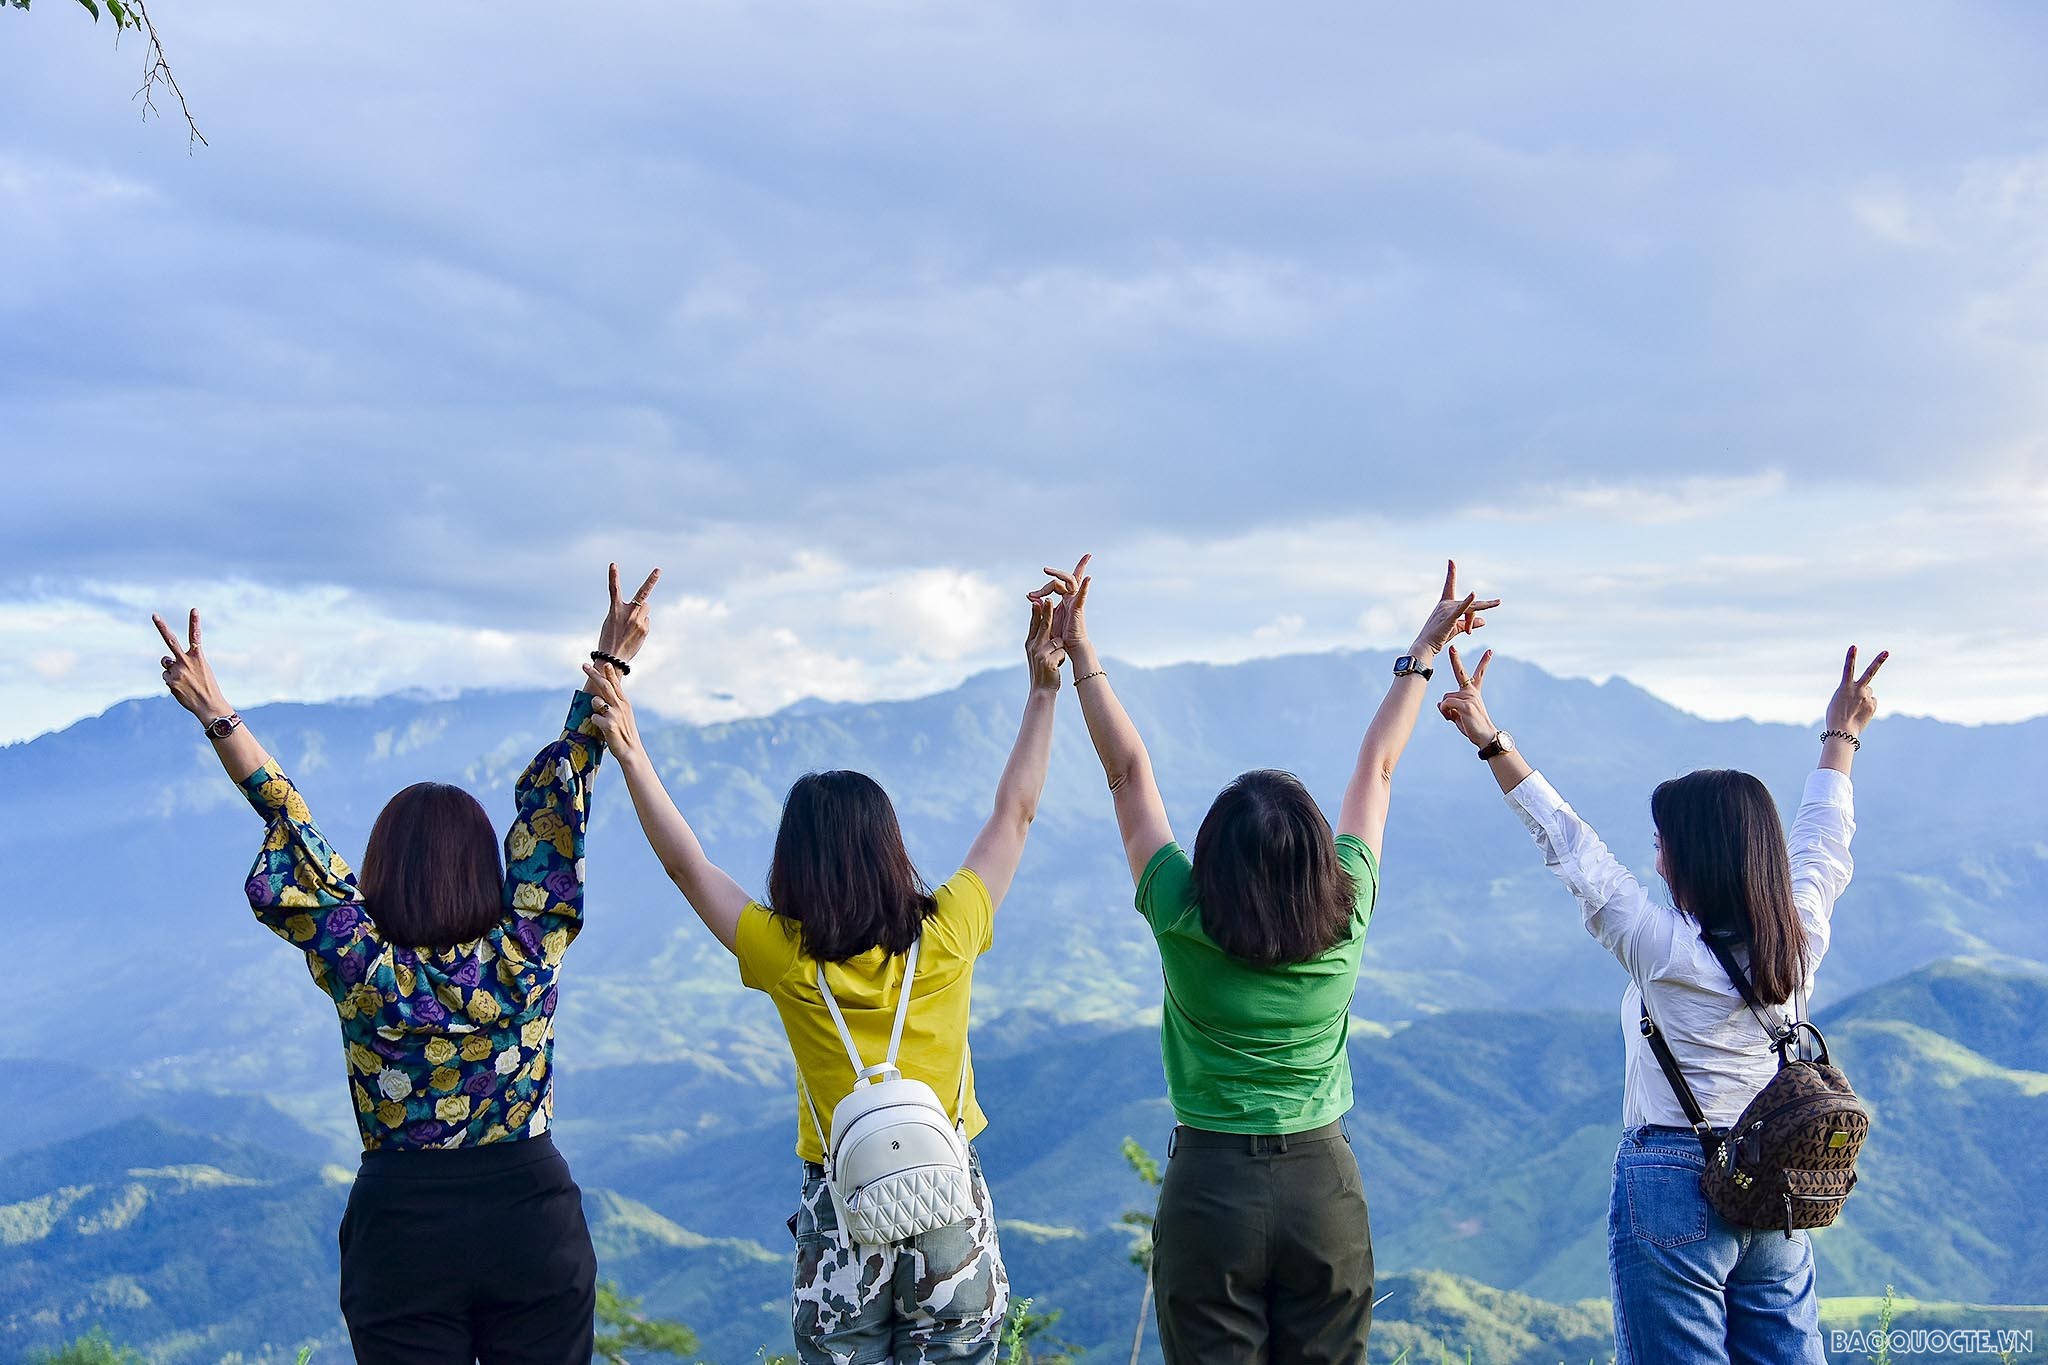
column 180, row 1169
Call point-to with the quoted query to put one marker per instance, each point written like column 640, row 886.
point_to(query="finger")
column 163, row 628
column 1450, row 578
column 169, row 663
column 1488, row 605
column 1479, row 673
column 1458, row 668
column 1849, row 664
column 601, row 684
column 1081, row 566
column 612, row 573
column 640, row 597
column 192, row 626
column 1875, row 664
column 1081, row 594
column 1473, row 621
column 1063, row 580
column 1038, row 595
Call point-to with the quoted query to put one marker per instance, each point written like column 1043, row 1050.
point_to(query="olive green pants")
column 1262, row 1252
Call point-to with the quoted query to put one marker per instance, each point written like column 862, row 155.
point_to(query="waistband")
column 1665, row 1132
column 1257, row 1144
column 458, row 1163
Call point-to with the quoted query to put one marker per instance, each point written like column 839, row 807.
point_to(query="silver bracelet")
column 1854, row 742
column 1086, row 676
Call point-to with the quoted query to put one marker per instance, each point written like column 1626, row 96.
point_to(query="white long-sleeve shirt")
column 1722, row 1049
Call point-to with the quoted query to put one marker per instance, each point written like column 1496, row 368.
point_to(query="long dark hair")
column 1725, row 861
column 1266, row 871
column 431, row 876
column 841, row 870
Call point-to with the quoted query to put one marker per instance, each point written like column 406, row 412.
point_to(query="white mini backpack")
column 895, row 1161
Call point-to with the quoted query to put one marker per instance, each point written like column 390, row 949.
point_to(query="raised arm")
column 1370, row 791
column 1616, row 908
column 999, row 847
column 300, row 888
column 1140, row 811
column 544, row 846
column 711, row 892
column 1818, row 841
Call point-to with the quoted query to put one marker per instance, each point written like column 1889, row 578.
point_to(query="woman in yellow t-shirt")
column 842, row 892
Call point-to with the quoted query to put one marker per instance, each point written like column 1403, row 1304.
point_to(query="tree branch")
column 156, row 72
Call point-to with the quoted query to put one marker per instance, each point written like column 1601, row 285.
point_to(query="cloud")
column 807, row 299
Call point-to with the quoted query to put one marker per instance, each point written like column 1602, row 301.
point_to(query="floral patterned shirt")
column 447, row 1047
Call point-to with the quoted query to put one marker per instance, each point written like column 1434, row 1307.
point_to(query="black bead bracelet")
column 1854, row 742
column 598, row 656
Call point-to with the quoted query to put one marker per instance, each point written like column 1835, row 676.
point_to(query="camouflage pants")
column 938, row 1299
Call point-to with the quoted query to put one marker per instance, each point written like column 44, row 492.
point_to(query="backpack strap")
column 1669, row 1063
column 1783, row 1037
column 863, row 1074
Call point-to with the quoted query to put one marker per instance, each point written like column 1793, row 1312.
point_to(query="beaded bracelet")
column 598, row 656
column 1086, row 676
column 1854, row 742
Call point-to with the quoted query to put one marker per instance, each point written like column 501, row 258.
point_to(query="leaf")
column 93, row 7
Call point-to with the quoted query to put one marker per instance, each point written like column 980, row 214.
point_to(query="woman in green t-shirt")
column 1261, row 1246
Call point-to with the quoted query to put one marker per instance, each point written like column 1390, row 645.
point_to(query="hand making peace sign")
column 626, row 623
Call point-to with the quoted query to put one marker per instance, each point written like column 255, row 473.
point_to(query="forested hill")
column 137, row 846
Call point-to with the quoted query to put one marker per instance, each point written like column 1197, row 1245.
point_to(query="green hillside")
column 1486, row 1139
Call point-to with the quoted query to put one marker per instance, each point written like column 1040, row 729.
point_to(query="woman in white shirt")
column 1690, row 1287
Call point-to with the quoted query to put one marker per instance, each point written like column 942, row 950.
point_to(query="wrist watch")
column 1501, row 743
column 1406, row 664
column 220, row 727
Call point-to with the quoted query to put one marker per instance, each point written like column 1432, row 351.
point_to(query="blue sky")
column 1712, row 340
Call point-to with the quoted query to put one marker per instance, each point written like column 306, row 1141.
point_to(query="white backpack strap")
column 960, row 1095
column 903, row 1003
column 839, row 1022
column 824, row 1138
column 862, row 1072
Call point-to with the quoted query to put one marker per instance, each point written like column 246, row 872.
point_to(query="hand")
column 1043, row 650
column 189, row 675
column 1452, row 617
column 1854, row 703
column 611, row 711
column 625, row 624
column 1069, row 625
column 1465, row 708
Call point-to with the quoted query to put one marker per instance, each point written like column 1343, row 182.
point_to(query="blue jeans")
column 1691, row 1288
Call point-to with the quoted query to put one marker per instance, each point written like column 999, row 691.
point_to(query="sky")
column 1712, row 340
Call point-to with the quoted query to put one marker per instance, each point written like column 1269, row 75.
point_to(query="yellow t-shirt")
column 867, row 988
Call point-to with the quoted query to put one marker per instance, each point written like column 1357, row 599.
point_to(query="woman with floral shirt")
column 442, row 966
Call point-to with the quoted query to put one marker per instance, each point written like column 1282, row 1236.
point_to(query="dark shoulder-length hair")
column 1267, row 875
column 431, row 876
column 1726, row 865
column 841, row 871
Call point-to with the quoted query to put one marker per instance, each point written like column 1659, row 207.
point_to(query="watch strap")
column 1406, row 665
column 1493, row 748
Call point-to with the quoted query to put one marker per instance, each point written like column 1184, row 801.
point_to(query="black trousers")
column 474, row 1254
column 1261, row 1250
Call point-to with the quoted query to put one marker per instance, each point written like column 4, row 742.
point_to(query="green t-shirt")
column 1253, row 1049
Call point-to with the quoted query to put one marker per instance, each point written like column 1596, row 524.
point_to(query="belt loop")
column 1172, row 1141
column 1283, row 1144
column 1344, row 1127
column 1251, row 1145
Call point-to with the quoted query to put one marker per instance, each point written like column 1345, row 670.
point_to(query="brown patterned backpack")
column 1790, row 1160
